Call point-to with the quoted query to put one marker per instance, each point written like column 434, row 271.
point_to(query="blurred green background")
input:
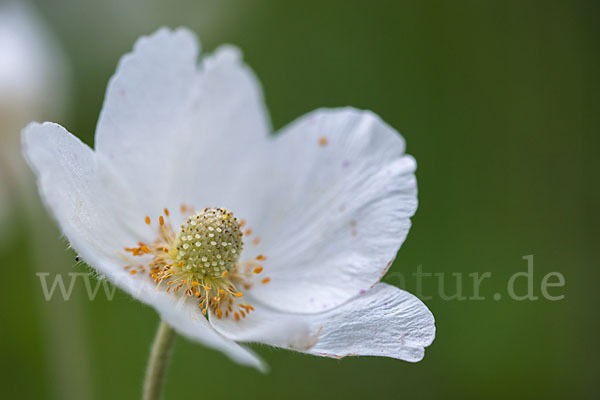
column 498, row 102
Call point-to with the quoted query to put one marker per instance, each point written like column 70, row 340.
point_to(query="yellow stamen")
column 201, row 260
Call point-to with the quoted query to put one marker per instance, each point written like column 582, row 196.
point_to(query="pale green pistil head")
column 209, row 243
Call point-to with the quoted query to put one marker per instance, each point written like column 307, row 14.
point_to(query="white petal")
column 268, row 326
column 385, row 321
column 334, row 207
column 96, row 213
column 230, row 127
column 146, row 102
column 86, row 197
column 177, row 131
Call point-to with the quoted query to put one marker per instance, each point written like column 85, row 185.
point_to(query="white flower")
column 33, row 69
column 326, row 204
column 33, row 84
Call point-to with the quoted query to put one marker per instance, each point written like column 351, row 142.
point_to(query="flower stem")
column 158, row 361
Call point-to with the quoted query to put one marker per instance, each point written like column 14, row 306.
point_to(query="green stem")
column 158, row 361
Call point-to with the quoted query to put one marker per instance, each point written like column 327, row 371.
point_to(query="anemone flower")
column 234, row 235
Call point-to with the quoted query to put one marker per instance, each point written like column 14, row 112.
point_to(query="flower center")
column 209, row 243
column 202, row 260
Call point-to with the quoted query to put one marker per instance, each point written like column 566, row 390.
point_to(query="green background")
column 498, row 103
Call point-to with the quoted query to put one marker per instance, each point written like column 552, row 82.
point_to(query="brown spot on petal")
column 322, row 141
column 386, row 269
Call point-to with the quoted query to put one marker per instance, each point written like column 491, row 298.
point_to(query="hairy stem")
column 158, row 362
